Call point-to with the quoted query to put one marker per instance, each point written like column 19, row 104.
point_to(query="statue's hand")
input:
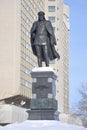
column 52, row 41
column 55, row 43
column 33, row 35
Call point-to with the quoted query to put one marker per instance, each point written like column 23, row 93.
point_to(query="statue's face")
column 41, row 17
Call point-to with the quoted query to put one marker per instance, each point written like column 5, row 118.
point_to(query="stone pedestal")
column 43, row 103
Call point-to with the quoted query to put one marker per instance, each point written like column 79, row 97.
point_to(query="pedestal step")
column 42, row 115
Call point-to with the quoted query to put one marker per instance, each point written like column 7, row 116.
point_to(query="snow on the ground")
column 41, row 125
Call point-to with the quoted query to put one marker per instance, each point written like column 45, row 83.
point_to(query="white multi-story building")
column 16, row 57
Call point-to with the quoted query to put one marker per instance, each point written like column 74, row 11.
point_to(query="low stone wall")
column 12, row 114
column 70, row 118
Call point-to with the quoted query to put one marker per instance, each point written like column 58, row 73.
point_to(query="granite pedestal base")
column 42, row 114
column 43, row 103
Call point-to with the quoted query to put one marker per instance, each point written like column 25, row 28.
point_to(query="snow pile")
column 43, row 69
column 41, row 125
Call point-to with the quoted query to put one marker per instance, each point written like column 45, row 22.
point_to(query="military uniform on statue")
column 43, row 103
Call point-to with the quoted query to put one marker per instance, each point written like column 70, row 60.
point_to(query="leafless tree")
column 81, row 108
column 82, row 104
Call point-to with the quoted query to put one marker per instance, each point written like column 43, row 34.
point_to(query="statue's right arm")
column 33, row 27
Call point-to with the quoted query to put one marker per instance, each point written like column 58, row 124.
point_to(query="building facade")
column 16, row 57
column 66, row 30
column 58, row 13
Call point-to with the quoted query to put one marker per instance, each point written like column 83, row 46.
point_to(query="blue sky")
column 78, row 47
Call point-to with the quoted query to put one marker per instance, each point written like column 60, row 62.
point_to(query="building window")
column 51, row 0
column 27, row 21
column 52, row 19
column 28, row 8
column 28, row 46
column 28, row 34
column 51, row 8
column 27, row 58
column 52, row 61
column 34, row 17
column 28, row 71
column 27, row 84
column 66, row 17
column 34, row 6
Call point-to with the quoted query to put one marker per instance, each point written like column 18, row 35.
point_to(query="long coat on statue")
column 51, row 41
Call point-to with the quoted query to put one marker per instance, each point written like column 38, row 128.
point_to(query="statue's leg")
column 45, row 51
column 38, row 50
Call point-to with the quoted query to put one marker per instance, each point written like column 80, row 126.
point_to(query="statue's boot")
column 39, row 63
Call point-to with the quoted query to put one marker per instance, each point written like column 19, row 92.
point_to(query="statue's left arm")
column 51, row 33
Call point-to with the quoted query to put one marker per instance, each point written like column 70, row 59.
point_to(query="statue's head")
column 41, row 16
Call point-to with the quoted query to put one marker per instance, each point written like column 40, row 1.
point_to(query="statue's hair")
column 41, row 12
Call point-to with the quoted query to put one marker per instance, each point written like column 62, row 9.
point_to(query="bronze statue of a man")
column 43, row 40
